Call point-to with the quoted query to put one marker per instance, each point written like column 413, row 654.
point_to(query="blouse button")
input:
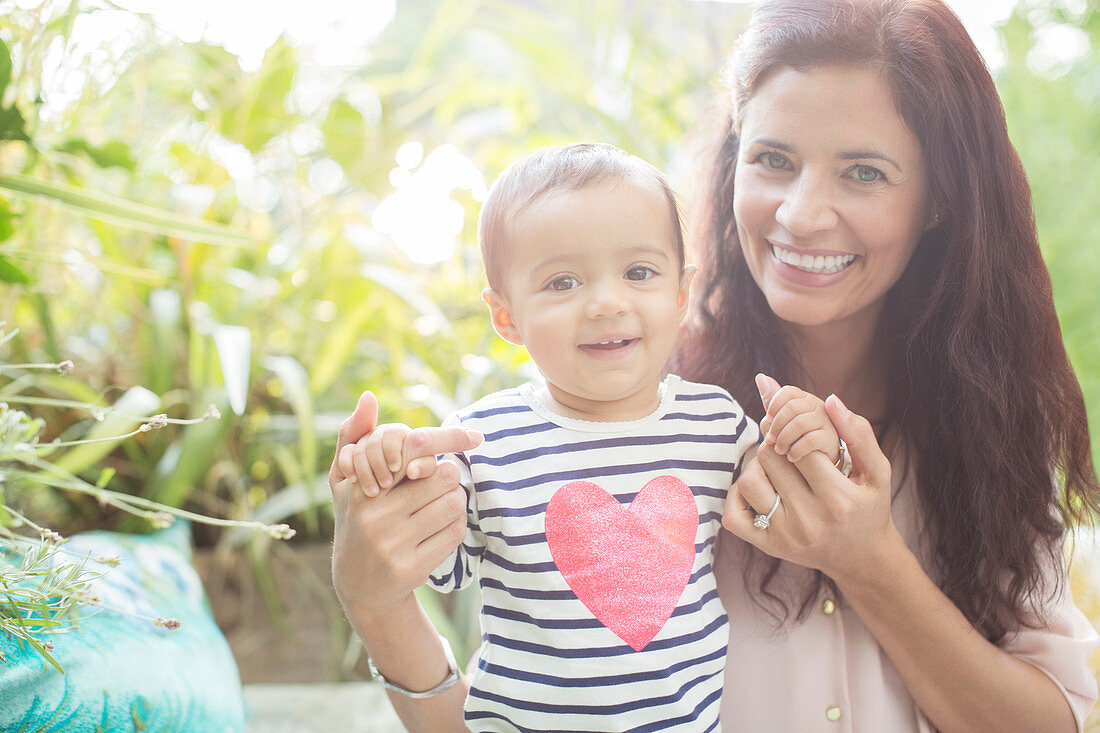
column 827, row 607
column 832, row 712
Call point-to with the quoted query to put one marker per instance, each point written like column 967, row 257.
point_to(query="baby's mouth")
column 610, row 345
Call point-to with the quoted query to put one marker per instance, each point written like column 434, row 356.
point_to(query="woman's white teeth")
column 608, row 343
column 819, row 265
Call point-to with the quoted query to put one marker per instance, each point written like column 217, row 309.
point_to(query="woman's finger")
column 784, row 475
column 435, row 549
column 415, row 495
column 869, row 464
column 767, row 387
column 755, row 489
column 440, row 513
column 361, row 421
column 738, row 518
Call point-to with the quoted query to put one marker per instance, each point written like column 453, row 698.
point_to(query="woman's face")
column 831, row 194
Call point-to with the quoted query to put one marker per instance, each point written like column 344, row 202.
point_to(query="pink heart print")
column 627, row 565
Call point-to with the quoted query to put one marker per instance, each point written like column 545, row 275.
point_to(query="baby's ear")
column 501, row 316
column 685, row 288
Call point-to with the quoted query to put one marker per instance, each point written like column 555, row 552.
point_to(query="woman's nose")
column 808, row 206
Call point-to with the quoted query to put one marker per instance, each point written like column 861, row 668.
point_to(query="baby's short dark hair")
column 559, row 168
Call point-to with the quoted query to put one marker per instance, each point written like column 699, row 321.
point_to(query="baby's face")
column 594, row 289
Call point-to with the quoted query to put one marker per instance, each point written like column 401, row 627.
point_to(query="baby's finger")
column 376, row 457
column 433, row 441
column 783, row 398
column 393, row 443
column 785, row 434
column 789, row 411
column 363, row 468
column 421, row 467
column 822, row 441
column 345, row 461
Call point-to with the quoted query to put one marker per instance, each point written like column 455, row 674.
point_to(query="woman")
column 867, row 233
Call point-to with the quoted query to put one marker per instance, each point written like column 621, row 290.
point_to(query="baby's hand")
column 379, row 459
column 796, row 425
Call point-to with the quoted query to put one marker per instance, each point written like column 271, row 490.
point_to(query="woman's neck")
column 844, row 358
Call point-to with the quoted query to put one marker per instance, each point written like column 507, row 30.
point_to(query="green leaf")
column 12, row 274
column 7, row 220
column 122, row 212
column 112, row 154
column 188, row 459
column 234, row 346
column 12, row 124
column 296, row 384
column 345, row 133
column 5, row 67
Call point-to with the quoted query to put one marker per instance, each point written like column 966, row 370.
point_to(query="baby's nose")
column 606, row 299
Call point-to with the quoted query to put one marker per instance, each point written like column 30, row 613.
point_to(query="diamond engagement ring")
column 762, row 521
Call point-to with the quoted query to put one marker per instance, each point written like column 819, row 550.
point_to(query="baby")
column 595, row 501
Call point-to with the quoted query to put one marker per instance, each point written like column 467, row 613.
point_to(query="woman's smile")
column 811, row 262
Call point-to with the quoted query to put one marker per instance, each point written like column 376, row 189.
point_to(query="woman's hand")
column 385, row 545
column 824, row 520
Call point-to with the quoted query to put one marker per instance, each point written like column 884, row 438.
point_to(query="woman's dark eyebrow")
column 768, row 142
column 846, row 155
column 863, row 154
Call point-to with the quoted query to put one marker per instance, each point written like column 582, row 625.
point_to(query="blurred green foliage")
column 291, row 302
column 1053, row 110
column 208, row 233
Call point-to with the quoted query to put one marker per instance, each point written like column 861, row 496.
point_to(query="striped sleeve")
column 460, row 567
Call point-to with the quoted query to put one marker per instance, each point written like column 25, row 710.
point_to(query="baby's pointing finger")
column 424, row 442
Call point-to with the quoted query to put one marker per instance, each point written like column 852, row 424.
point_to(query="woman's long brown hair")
column 982, row 388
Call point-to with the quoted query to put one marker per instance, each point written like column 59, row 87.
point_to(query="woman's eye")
column 562, row 284
column 867, row 174
column 775, row 161
column 639, row 273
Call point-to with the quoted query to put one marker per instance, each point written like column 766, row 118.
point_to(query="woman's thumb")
column 767, row 387
column 868, row 460
column 361, row 421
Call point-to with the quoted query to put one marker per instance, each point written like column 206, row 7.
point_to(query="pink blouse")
column 829, row 674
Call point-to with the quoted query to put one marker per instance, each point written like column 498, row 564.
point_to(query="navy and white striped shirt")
column 576, row 629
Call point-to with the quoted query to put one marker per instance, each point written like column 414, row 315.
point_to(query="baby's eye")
column 639, row 273
column 563, row 284
column 867, row 174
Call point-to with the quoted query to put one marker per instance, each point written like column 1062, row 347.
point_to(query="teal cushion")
column 124, row 673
